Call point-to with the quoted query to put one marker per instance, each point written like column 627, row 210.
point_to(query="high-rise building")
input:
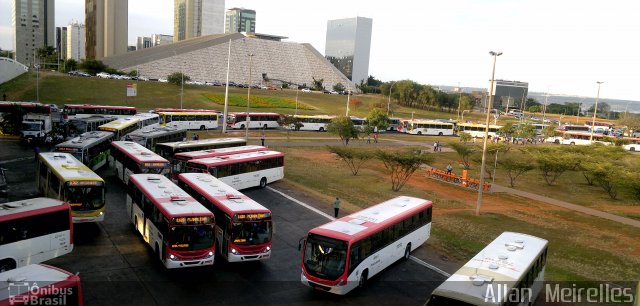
column 348, row 45
column 195, row 18
column 106, row 27
column 510, row 93
column 61, row 42
column 240, row 20
column 33, row 28
column 144, row 42
column 75, row 41
column 161, row 39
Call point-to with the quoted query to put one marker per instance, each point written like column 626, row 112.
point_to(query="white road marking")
column 15, row 160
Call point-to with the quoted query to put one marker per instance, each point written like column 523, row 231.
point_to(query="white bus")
column 178, row 229
column 256, row 120
column 243, row 229
column 88, row 110
column 121, row 127
column 33, row 231
column 394, row 123
column 169, row 149
column 431, row 127
column 311, row 122
column 180, row 159
column 242, row 170
column 341, row 255
column 132, row 158
column 149, row 137
column 476, row 130
column 40, row 284
column 189, row 120
column 584, row 139
column 508, row 271
column 359, row 123
column 147, row 120
column 92, row 148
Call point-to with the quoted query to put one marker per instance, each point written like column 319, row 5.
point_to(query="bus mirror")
column 300, row 242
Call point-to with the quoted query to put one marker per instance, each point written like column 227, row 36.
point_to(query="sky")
column 559, row 47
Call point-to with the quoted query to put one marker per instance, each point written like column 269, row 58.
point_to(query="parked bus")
column 405, row 125
column 181, row 159
column 150, row 137
column 92, row 148
column 575, row 128
column 256, row 120
column 132, row 158
column 33, row 231
column 581, row 138
column 189, row 120
column 341, row 255
column 78, row 126
column 121, row 127
column 87, row 110
column 40, row 284
column 394, row 123
column 243, row 228
column 177, row 110
column 169, row 149
column 61, row 176
column 178, row 228
column 539, row 127
column 312, row 122
column 359, row 123
column 242, row 170
column 147, row 120
column 476, row 130
column 431, row 127
column 514, row 262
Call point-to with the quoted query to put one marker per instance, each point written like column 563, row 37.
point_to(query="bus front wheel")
column 263, row 182
column 202, row 127
column 363, row 279
column 419, row 133
column 242, row 126
column 7, row 264
column 265, row 127
column 440, row 134
column 321, row 129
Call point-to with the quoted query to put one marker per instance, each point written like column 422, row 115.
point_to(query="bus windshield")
column 191, row 237
column 251, row 233
column 325, row 257
column 31, row 126
column 85, row 198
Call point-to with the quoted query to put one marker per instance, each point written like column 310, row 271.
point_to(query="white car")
column 163, row 80
column 103, row 75
column 632, row 147
column 306, row 90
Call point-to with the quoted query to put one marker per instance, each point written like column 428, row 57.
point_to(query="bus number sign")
column 84, row 183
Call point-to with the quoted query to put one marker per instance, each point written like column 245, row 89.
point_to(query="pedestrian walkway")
column 567, row 205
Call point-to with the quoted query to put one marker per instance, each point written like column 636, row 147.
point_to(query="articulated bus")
column 189, row 120
column 92, row 148
column 476, row 130
column 40, row 284
column 61, row 176
column 508, row 271
column 243, row 228
column 169, row 149
column 244, row 170
column 181, row 159
column 87, row 110
column 341, row 255
column 179, row 230
column 78, row 126
column 121, row 127
column 312, row 122
column 132, row 158
column 256, row 120
column 150, row 137
column 33, row 231
column 431, row 127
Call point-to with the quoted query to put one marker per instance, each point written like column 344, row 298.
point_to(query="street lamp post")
column 544, row 108
column 246, row 129
column 462, row 119
column 38, row 81
column 486, row 133
column 348, row 100
column 459, row 100
column 389, row 103
column 595, row 110
column 226, row 93
column 297, row 90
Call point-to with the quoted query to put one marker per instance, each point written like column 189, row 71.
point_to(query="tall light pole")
column 181, row 79
column 297, row 89
column 38, row 80
column 459, row 100
column 595, row 110
column 486, row 132
column 348, row 100
column 226, row 93
column 462, row 119
column 544, row 108
column 389, row 103
column 246, row 128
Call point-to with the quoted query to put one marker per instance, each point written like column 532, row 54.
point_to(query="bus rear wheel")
column 363, row 279
column 202, row 127
column 242, row 126
column 7, row 264
column 265, row 126
column 407, row 252
column 419, row 133
column 263, row 182
column 321, row 129
column 440, row 134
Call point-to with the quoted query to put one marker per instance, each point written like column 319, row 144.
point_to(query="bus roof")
column 145, row 115
column 119, row 124
column 254, row 114
column 230, row 200
column 189, row 113
column 355, row 226
column 504, row 260
column 138, row 153
column 97, row 106
column 155, row 131
column 314, row 116
column 196, row 143
column 218, row 152
column 173, row 110
column 67, row 167
column 434, row 121
column 44, row 275
column 12, row 209
column 84, row 140
column 172, row 201
column 480, row 124
column 235, row 158
column 93, row 118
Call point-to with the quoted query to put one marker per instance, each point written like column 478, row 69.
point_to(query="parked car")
column 103, row 75
column 163, row 80
column 306, row 90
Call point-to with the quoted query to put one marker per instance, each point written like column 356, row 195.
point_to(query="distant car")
column 141, row 78
column 632, row 147
column 163, row 80
column 306, row 90
column 103, row 75
column 333, row 92
column 84, row 74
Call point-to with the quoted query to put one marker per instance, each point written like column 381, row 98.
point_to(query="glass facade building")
column 348, row 45
column 240, row 20
column 34, row 28
column 195, row 18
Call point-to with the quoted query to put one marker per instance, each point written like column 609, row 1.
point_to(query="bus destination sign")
column 193, row 220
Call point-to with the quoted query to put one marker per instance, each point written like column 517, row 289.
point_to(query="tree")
column 70, row 65
column 290, row 122
column 464, row 151
column 550, row 131
column 338, row 87
column 353, row 157
column 177, row 78
column 525, row 130
column 506, row 129
column 603, row 107
column 464, row 137
column 552, row 163
column 465, row 102
column 402, row 165
column 378, row 118
column 317, row 84
column 535, row 108
column 631, row 121
column 609, row 177
column 515, row 168
column 343, row 127
column 492, row 150
column 92, row 66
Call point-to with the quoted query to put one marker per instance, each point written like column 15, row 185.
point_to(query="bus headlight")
column 101, row 213
column 172, row 257
column 234, row 251
column 210, row 254
column 267, row 249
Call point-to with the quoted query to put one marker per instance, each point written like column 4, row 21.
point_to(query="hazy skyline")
column 562, row 47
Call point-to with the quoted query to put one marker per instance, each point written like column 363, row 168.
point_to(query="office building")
column 240, row 20
column 510, row 93
column 348, row 45
column 144, row 42
column 106, row 24
column 195, row 18
column 33, row 28
column 75, row 41
column 61, row 42
column 161, row 39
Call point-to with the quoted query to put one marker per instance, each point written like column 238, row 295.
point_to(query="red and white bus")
column 256, row 120
column 88, row 110
column 242, row 170
column 244, row 228
column 132, row 158
column 341, row 255
column 178, row 110
column 40, row 284
column 178, row 228
column 180, row 160
column 34, row 230
column 169, row 149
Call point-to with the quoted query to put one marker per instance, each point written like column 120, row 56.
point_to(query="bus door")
column 224, row 247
